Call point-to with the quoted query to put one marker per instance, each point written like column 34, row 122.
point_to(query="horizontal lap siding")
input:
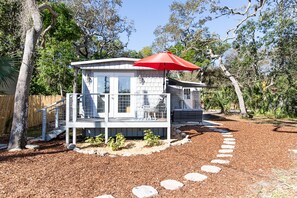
column 127, row 132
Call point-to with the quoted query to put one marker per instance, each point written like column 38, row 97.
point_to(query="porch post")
column 67, row 117
column 44, row 124
column 74, row 116
column 168, row 119
column 57, row 117
column 75, row 79
column 106, row 104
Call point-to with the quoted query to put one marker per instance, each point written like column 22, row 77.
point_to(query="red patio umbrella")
column 166, row 61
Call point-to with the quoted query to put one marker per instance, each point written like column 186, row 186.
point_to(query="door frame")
column 113, row 92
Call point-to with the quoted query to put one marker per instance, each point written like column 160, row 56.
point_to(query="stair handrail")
column 53, row 104
column 44, row 111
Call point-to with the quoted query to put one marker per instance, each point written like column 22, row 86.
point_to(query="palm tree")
column 7, row 71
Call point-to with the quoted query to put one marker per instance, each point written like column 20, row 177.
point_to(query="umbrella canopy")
column 166, row 61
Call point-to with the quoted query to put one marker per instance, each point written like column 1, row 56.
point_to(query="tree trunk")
column 236, row 87
column 18, row 133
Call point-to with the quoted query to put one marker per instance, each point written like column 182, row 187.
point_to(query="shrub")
column 99, row 139
column 151, row 139
column 117, row 143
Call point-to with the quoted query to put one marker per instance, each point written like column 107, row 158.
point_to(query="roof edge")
column 78, row 63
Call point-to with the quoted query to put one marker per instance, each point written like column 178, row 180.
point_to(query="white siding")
column 152, row 82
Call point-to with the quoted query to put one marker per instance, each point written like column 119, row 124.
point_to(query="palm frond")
column 7, row 71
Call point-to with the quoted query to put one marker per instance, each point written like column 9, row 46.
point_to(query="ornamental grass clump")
column 117, row 143
column 97, row 140
column 151, row 139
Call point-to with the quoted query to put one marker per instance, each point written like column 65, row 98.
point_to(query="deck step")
column 51, row 135
column 3, row 146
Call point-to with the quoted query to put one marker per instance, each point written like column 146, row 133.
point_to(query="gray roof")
column 172, row 81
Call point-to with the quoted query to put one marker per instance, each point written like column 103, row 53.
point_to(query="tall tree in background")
column 53, row 74
column 32, row 26
column 10, row 49
column 102, row 26
column 189, row 32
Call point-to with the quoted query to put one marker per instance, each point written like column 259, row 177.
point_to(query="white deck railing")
column 117, row 111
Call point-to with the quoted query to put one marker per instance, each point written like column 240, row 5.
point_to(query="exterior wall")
column 127, row 132
column 150, row 81
column 147, row 81
column 144, row 82
column 177, row 98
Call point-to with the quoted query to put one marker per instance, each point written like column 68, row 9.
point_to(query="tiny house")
column 119, row 97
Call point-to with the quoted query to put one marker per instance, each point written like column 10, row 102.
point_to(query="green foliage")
column 222, row 99
column 65, row 28
column 97, row 140
column 117, row 143
column 151, row 139
column 7, row 71
column 102, row 27
column 10, row 34
column 53, row 73
column 146, row 51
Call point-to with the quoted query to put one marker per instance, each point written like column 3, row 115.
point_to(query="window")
column 103, row 84
column 124, row 96
column 187, row 94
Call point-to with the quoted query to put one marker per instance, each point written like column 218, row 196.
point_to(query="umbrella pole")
column 164, row 80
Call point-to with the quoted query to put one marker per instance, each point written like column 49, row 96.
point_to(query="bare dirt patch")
column 53, row 171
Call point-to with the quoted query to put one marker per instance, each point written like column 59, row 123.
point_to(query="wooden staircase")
column 60, row 124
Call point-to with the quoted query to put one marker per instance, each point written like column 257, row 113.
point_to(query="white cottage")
column 119, row 97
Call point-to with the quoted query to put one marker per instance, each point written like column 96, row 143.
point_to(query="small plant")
column 97, row 140
column 117, row 143
column 151, row 139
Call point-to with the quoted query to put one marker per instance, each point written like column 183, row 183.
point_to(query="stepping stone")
column 171, row 184
column 224, row 155
column 219, row 161
column 32, row 146
column 293, row 151
column 227, row 146
column 105, row 196
column 229, row 142
column 229, row 139
column 195, row 177
column 230, row 136
column 144, row 191
column 211, row 169
column 225, row 150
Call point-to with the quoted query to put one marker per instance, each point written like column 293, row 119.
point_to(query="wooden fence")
column 36, row 102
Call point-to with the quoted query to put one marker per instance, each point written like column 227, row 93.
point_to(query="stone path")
column 223, row 156
column 171, row 184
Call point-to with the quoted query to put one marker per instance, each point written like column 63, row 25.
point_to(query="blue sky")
column 148, row 14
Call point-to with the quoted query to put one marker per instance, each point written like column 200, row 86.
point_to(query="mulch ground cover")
column 53, row 171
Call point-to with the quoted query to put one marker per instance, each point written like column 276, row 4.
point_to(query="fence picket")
column 36, row 102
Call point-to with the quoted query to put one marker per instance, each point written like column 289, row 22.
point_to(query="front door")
column 187, row 99
column 120, row 86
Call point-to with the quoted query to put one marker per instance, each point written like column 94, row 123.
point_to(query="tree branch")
column 42, row 7
column 257, row 9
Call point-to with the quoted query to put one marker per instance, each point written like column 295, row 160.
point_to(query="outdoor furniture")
column 148, row 111
column 186, row 115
